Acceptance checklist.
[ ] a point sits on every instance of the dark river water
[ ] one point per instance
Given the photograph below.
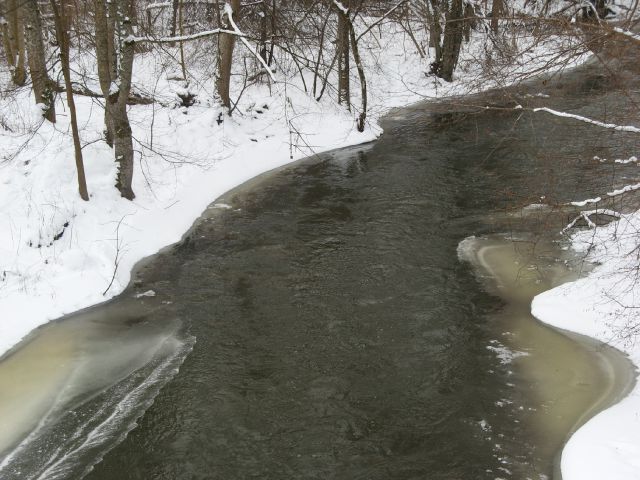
(318, 322)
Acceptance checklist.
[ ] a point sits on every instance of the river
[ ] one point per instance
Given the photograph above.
(363, 314)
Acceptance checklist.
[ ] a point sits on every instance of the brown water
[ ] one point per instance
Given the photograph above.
(324, 326)
(571, 377)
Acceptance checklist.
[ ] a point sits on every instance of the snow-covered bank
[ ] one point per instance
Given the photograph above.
(603, 305)
(59, 254)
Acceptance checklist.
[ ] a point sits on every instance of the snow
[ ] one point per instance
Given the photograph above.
(582, 203)
(624, 161)
(607, 446)
(612, 126)
(504, 354)
(625, 189)
(59, 254)
(148, 293)
(627, 33)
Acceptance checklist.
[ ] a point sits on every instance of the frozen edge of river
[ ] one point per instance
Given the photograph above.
(608, 445)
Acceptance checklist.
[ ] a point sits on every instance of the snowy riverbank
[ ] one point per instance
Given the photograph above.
(60, 254)
(607, 446)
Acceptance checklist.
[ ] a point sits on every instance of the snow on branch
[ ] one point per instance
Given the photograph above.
(627, 33)
(582, 203)
(341, 7)
(229, 12)
(586, 216)
(625, 189)
(182, 38)
(612, 126)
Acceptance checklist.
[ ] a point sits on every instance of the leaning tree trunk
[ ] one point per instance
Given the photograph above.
(342, 46)
(37, 61)
(226, 44)
(62, 34)
(452, 41)
(363, 79)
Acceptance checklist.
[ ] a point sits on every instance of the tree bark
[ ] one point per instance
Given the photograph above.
(435, 32)
(363, 79)
(104, 38)
(452, 41)
(15, 35)
(7, 45)
(342, 46)
(37, 61)
(496, 12)
(226, 44)
(469, 21)
(62, 35)
(174, 17)
(122, 135)
(115, 17)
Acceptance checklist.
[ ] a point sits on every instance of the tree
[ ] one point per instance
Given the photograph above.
(13, 39)
(113, 27)
(62, 34)
(342, 50)
(452, 42)
(226, 44)
(37, 61)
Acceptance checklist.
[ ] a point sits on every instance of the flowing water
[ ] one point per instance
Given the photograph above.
(359, 315)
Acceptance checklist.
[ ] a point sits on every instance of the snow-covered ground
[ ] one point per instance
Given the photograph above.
(59, 254)
(603, 305)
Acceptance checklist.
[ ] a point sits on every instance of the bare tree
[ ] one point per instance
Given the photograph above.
(226, 44)
(496, 12)
(13, 39)
(452, 42)
(62, 34)
(342, 49)
(37, 60)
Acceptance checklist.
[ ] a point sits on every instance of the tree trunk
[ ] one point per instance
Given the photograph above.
(263, 33)
(15, 34)
(320, 53)
(452, 41)
(496, 12)
(342, 46)
(104, 38)
(115, 17)
(7, 45)
(469, 21)
(226, 44)
(174, 17)
(37, 61)
(435, 34)
(62, 35)
(181, 44)
(122, 138)
(363, 80)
